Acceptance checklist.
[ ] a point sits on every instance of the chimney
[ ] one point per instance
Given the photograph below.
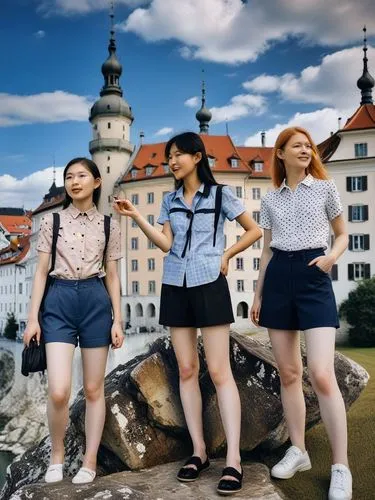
(141, 137)
(263, 139)
(339, 120)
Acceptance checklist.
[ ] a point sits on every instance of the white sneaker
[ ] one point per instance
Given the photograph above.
(83, 476)
(294, 461)
(341, 483)
(54, 473)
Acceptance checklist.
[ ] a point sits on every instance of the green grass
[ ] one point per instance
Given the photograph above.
(314, 484)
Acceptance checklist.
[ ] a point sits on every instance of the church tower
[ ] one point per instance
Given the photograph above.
(111, 118)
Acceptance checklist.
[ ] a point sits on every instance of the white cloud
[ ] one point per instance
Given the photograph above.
(164, 131)
(48, 107)
(240, 106)
(193, 102)
(319, 123)
(234, 31)
(67, 7)
(331, 83)
(40, 34)
(29, 191)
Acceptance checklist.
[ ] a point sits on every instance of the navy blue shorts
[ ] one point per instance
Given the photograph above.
(77, 311)
(297, 296)
(197, 306)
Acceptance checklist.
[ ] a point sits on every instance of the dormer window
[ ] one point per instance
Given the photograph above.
(166, 168)
(149, 171)
(258, 166)
(134, 173)
(360, 150)
(211, 162)
(234, 163)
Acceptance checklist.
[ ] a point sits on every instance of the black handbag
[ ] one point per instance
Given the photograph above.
(34, 357)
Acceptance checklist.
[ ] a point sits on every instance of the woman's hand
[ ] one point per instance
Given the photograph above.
(324, 262)
(125, 207)
(32, 330)
(117, 335)
(255, 310)
(224, 264)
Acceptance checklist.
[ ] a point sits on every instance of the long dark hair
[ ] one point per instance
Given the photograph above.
(94, 171)
(191, 143)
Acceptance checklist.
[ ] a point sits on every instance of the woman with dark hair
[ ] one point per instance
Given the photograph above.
(294, 292)
(78, 308)
(195, 292)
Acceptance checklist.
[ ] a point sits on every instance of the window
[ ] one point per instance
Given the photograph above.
(258, 166)
(20, 308)
(238, 237)
(151, 287)
(135, 287)
(359, 242)
(135, 199)
(134, 173)
(239, 264)
(255, 282)
(151, 264)
(20, 288)
(358, 183)
(134, 265)
(109, 124)
(149, 170)
(150, 219)
(211, 162)
(239, 191)
(240, 286)
(151, 245)
(109, 198)
(150, 198)
(108, 169)
(358, 213)
(134, 243)
(256, 245)
(334, 272)
(256, 263)
(360, 149)
(256, 193)
(234, 163)
(358, 271)
(134, 224)
(108, 158)
(256, 216)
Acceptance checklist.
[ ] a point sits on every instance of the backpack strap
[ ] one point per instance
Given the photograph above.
(218, 202)
(107, 230)
(55, 234)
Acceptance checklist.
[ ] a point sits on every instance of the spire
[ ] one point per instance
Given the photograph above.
(112, 68)
(366, 82)
(203, 115)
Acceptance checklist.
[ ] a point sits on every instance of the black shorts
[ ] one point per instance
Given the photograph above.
(197, 306)
(297, 296)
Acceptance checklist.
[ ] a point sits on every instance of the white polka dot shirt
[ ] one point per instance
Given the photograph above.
(300, 220)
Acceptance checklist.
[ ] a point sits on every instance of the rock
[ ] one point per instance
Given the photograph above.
(153, 380)
(157, 483)
(7, 372)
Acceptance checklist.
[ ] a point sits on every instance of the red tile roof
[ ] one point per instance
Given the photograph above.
(16, 251)
(16, 224)
(363, 118)
(52, 203)
(219, 147)
(329, 146)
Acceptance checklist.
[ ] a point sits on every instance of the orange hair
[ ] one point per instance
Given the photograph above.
(316, 167)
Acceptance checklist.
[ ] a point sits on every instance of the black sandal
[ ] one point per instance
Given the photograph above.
(187, 474)
(230, 486)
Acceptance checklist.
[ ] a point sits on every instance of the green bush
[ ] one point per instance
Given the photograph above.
(359, 311)
(11, 327)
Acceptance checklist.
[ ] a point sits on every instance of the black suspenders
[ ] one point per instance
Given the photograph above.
(190, 215)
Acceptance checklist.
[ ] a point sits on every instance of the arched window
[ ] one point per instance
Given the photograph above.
(151, 311)
(242, 310)
(127, 312)
(139, 310)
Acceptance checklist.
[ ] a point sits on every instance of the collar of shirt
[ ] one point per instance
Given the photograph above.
(74, 212)
(307, 181)
(203, 190)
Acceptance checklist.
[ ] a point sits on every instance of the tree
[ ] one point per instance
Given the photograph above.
(11, 327)
(359, 311)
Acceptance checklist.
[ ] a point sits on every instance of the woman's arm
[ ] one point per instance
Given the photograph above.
(112, 283)
(39, 284)
(325, 262)
(162, 239)
(264, 261)
(252, 233)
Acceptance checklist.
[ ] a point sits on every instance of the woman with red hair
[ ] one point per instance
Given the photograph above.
(294, 293)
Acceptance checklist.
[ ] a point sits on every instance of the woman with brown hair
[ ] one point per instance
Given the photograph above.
(294, 293)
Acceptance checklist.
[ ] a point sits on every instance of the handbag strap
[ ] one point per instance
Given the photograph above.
(55, 234)
(107, 230)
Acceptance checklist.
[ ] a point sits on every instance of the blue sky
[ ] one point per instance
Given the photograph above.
(267, 64)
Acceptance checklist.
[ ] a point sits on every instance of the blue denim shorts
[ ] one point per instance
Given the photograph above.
(77, 311)
(297, 296)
